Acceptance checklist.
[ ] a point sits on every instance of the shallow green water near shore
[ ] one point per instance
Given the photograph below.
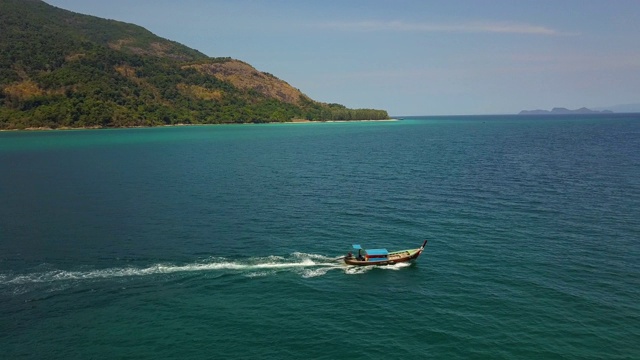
(212, 241)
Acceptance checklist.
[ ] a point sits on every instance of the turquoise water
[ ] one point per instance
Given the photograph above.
(220, 241)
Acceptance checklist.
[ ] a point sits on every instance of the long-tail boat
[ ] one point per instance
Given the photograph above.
(363, 257)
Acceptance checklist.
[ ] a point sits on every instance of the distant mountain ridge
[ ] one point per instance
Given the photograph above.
(621, 108)
(561, 110)
(63, 69)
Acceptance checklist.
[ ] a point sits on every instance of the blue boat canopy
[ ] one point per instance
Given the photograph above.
(357, 247)
(377, 252)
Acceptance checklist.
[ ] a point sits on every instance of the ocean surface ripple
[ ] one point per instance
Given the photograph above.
(225, 241)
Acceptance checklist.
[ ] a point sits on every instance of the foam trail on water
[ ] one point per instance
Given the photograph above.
(257, 267)
(306, 265)
(397, 266)
(356, 270)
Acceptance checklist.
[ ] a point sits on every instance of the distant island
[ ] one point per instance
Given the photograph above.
(561, 110)
(61, 69)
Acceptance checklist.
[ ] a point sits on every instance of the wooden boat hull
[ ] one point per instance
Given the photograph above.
(393, 258)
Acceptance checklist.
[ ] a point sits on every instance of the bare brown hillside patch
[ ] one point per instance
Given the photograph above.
(23, 90)
(126, 71)
(246, 77)
(200, 92)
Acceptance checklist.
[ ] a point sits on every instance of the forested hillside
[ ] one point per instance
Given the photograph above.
(62, 69)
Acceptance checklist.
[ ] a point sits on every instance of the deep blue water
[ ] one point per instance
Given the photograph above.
(212, 241)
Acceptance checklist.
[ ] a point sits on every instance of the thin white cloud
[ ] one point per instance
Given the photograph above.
(592, 61)
(469, 27)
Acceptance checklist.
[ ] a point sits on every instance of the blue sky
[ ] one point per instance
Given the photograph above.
(414, 57)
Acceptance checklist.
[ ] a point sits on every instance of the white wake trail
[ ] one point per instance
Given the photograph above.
(305, 265)
(253, 265)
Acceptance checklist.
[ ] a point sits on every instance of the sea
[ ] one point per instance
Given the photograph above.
(224, 241)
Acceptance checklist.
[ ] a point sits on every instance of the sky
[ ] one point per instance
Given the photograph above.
(414, 57)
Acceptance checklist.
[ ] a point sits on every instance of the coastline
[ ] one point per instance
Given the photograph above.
(294, 121)
(302, 121)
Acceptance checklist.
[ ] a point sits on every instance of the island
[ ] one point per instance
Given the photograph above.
(561, 111)
(61, 69)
